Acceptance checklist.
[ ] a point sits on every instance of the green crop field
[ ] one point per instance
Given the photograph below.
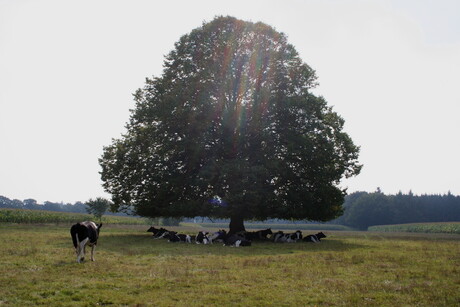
(38, 267)
(24, 216)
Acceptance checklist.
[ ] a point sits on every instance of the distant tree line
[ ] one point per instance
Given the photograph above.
(32, 204)
(97, 207)
(363, 209)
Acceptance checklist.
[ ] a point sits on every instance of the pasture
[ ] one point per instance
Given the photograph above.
(38, 267)
(446, 227)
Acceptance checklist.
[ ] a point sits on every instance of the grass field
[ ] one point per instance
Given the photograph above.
(38, 267)
(451, 227)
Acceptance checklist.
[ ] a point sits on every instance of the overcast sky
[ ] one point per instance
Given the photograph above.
(68, 69)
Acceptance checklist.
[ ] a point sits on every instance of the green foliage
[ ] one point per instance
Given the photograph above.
(232, 115)
(97, 207)
(24, 216)
(419, 227)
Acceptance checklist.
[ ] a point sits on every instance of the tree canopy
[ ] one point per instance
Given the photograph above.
(97, 207)
(231, 129)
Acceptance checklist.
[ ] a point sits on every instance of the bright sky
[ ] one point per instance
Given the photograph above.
(68, 69)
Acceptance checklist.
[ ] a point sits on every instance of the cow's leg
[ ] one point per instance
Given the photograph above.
(77, 248)
(92, 251)
(81, 250)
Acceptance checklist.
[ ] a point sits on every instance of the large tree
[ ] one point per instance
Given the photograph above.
(231, 129)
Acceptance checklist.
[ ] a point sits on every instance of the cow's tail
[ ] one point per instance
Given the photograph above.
(74, 234)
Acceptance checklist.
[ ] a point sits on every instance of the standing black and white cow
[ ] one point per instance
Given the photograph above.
(314, 238)
(84, 233)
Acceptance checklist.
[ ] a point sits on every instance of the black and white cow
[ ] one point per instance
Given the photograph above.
(202, 238)
(84, 233)
(314, 238)
(236, 240)
(218, 236)
(157, 232)
(287, 237)
(258, 235)
(153, 230)
(173, 236)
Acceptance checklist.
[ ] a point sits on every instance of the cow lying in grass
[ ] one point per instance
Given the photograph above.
(258, 235)
(157, 232)
(282, 237)
(236, 240)
(218, 236)
(202, 238)
(243, 238)
(173, 236)
(84, 233)
(228, 239)
(314, 238)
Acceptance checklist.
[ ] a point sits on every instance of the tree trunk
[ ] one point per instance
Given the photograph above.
(236, 224)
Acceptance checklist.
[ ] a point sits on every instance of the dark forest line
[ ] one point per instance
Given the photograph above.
(363, 209)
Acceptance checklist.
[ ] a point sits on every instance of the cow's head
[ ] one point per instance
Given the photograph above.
(267, 232)
(320, 235)
(298, 234)
(152, 229)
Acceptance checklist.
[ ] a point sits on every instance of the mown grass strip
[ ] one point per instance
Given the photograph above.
(453, 227)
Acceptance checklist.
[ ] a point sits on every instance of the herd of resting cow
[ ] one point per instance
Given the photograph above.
(243, 238)
(87, 233)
